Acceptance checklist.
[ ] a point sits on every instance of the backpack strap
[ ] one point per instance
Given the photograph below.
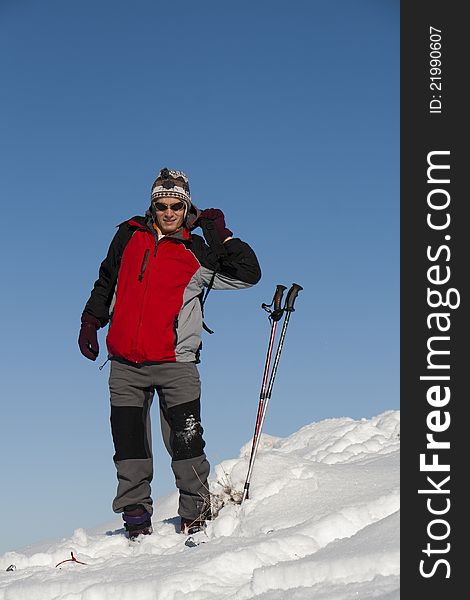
(216, 245)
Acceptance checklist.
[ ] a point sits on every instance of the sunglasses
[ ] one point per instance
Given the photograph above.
(176, 207)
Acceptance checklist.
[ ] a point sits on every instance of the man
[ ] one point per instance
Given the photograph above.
(149, 289)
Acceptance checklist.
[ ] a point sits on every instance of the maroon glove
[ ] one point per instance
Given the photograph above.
(88, 337)
(216, 215)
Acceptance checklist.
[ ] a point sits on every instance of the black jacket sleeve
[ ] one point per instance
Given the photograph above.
(238, 261)
(102, 293)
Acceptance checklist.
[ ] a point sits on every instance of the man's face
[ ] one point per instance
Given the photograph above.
(169, 220)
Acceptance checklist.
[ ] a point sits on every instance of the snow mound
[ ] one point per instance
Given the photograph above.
(322, 522)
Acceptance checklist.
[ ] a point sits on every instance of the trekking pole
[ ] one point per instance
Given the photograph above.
(274, 316)
(288, 309)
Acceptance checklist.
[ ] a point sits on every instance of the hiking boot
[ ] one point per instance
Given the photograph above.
(191, 526)
(137, 521)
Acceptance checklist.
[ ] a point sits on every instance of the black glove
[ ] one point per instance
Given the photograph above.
(216, 215)
(88, 337)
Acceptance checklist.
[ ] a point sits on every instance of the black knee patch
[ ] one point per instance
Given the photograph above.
(186, 430)
(129, 432)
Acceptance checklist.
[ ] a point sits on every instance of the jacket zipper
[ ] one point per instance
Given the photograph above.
(142, 270)
(143, 266)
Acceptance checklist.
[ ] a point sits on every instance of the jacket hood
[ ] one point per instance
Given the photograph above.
(192, 216)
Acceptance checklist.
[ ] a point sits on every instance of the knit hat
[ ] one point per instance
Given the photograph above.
(171, 183)
(175, 184)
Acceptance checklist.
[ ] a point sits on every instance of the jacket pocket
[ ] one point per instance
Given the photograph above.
(175, 331)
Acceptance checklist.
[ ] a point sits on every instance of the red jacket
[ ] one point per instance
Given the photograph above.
(150, 291)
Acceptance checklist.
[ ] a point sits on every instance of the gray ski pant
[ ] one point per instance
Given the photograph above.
(132, 388)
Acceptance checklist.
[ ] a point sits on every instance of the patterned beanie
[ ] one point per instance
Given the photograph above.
(171, 183)
(175, 184)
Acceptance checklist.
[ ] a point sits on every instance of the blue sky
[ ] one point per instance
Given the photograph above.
(285, 116)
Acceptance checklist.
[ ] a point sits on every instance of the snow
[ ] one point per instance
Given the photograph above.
(322, 522)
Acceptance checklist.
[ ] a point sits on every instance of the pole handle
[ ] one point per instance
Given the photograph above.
(291, 296)
(276, 312)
